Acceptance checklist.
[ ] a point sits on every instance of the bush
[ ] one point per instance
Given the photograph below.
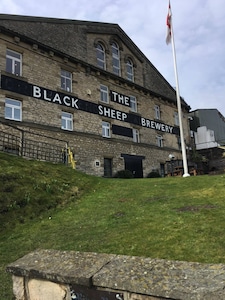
(153, 174)
(124, 174)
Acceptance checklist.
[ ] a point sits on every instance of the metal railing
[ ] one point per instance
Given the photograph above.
(34, 146)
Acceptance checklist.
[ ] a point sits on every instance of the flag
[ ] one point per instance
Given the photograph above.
(169, 24)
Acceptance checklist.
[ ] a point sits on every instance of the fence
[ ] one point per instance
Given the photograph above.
(33, 145)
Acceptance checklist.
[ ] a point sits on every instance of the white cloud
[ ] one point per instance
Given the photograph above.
(10, 6)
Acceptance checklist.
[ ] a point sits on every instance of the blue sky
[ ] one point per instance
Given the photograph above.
(199, 34)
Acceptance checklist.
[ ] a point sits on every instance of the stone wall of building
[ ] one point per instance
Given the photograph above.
(125, 52)
(61, 275)
(41, 68)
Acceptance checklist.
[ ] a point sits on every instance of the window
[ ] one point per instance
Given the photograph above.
(136, 136)
(116, 59)
(13, 109)
(104, 93)
(133, 104)
(101, 56)
(157, 112)
(176, 119)
(13, 62)
(159, 141)
(67, 121)
(66, 81)
(106, 129)
(130, 70)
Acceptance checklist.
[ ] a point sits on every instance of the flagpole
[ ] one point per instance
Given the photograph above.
(183, 146)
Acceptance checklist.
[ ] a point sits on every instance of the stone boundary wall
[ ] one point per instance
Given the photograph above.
(62, 275)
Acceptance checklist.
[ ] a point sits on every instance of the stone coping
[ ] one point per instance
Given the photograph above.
(140, 275)
(60, 266)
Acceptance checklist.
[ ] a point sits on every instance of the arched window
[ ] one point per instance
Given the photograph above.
(130, 70)
(116, 59)
(100, 56)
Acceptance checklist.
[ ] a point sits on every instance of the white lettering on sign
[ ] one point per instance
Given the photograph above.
(36, 92)
(111, 113)
(55, 97)
(119, 98)
(156, 125)
(24, 88)
(45, 96)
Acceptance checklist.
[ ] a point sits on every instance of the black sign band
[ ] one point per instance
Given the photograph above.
(24, 88)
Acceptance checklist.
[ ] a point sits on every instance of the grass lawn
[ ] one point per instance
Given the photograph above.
(54, 207)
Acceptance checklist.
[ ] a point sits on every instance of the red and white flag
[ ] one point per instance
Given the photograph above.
(169, 25)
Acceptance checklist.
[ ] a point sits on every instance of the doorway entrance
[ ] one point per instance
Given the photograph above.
(107, 167)
(134, 164)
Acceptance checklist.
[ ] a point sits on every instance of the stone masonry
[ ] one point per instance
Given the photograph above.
(50, 274)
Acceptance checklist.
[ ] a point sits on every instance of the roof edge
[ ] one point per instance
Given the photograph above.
(27, 18)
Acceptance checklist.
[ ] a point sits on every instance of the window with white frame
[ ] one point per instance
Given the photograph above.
(116, 59)
(104, 94)
(136, 135)
(66, 81)
(13, 62)
(13, 109)
(157, 112)
(159, 141)
(176, 118)
(66, 121)
(100, 56)
(130, 70)
(133, 104)
(106, 129)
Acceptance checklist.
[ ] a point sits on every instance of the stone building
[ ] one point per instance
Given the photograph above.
(213, 120)
(88, 85)
(208, 129)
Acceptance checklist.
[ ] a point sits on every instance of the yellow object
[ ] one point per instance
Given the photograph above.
(71, 160)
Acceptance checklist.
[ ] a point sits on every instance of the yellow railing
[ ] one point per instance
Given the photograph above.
(71, 159)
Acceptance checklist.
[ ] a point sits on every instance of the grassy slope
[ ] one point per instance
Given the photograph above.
(52, 206)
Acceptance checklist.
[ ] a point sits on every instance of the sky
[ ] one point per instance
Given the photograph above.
(199, 36)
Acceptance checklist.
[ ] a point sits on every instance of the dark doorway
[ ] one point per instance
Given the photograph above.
(162, 170)
(133, 163)
(107, 167)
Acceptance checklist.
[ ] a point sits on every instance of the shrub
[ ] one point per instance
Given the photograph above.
(124, 174)
(153, 174)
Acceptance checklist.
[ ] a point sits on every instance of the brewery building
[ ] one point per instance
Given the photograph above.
(85, 86)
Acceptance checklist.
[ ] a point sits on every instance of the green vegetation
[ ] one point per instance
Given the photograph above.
(49, 206)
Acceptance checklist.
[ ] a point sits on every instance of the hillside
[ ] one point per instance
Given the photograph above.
(51, 206)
